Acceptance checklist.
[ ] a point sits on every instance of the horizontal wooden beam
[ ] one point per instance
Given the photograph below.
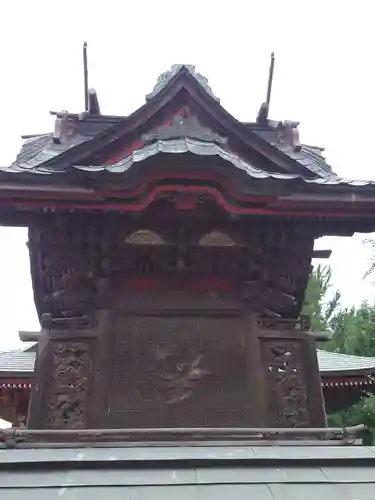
(321, 254)
(29, 336)
(31, 438)
(321, 336)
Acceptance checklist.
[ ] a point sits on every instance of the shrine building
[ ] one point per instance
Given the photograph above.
(170, 252)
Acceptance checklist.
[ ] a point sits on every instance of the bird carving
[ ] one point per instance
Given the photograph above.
(182, 382)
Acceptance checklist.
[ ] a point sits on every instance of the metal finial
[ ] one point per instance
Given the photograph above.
(85, 76)
(270, 80)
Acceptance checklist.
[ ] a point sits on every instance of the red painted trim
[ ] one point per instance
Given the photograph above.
(287, 208)
(148, 179)
(347, 378)
(155, 193)
(187, 177)
(123, 152)
(21, 385)
(202, 284)
(11, 380)
(339, 204)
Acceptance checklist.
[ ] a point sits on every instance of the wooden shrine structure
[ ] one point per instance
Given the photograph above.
(170, 251)
(345, 379)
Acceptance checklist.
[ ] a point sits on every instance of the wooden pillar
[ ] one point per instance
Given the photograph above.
(63, 376)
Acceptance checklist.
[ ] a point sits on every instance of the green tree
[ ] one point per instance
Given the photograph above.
(317, 304)
(371, 244)
(353, 332)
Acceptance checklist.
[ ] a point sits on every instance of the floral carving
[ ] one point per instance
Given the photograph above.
(144, 237)
(184, 126)
(286, 384)
(216, 239)
(71, 370)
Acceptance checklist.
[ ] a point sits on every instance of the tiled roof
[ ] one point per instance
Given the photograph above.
(34, 162)
(84, 134)
(39, 149)
(194, 146)
(329, 362)
(308, 156)
(337, 362)
(17, 361)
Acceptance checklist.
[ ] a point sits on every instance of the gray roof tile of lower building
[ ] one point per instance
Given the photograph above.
(17, 361)
(338, 362)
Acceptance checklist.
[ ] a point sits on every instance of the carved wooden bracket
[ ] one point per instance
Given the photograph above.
(186, 125)
(68, 401)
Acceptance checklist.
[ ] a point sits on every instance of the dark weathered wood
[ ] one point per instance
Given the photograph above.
(27, 438)
(77, 264)
(150, 311)
(169, 286)
(62, 400)
(322, 254)
(177, 283)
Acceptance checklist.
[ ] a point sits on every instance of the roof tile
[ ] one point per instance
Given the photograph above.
(336, 362)
(17, 361)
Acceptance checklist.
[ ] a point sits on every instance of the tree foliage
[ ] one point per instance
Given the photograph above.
(317, 305)
(352, 329)
(353, 332)
(371, 268)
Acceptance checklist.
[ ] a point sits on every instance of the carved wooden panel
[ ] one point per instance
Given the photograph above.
(179, 371)
(286, 382)
(67, 400)
(78, 263)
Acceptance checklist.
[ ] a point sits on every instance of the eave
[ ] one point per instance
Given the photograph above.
(346, 381)
(326, 222)
(11, 383)
(134, 183)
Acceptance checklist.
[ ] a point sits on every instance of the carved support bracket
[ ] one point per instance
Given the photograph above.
(67, 402)
(61, 394)
(293, 391)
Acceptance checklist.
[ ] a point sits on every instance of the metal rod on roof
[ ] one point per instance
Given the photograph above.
(85, 76)
(270, 80)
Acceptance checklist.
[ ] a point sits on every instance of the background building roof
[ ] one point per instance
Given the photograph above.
(17, 361)
(334, 362)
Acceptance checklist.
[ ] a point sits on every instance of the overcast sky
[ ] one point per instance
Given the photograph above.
(324, 78)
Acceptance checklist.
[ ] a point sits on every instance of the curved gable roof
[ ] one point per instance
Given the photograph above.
(91, 135)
